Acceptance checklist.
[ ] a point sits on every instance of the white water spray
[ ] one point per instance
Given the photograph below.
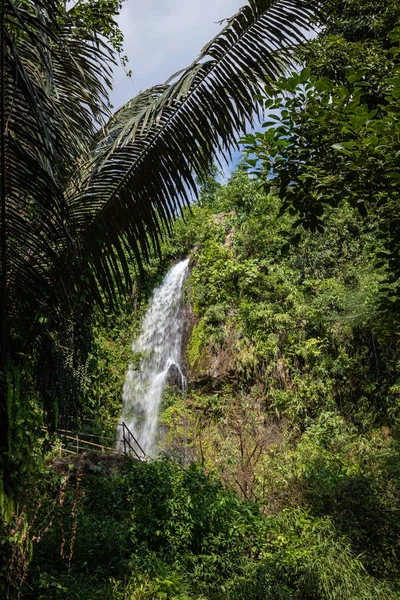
(159, 343)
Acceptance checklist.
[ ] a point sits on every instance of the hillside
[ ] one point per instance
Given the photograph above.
(281, 472)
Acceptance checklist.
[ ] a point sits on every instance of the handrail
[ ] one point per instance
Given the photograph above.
(124, 426)
(126, 441)
(81, 443)
(93, 435)
(77, 439)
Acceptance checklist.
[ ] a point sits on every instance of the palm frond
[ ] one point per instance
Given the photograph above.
(144, 168)
(54, 88)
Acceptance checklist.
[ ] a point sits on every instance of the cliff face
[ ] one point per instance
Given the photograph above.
(210, 361)
(215, 361)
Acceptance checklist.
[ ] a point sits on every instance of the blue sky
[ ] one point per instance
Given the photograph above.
(163, 36)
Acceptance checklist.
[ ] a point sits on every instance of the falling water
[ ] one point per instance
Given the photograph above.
(159, 345)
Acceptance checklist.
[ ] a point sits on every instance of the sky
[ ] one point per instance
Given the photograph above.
(164, 36)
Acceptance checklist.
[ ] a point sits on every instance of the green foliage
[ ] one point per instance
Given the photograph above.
(108, 361)
(293, 398)
(197, 343)
(83, 199)
(359, 20)
(336, 136)
(307, 314)
(159, 530)
(99, 16)
(294, 390)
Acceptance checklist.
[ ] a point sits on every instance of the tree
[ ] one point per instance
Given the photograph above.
(81, 197)
(338, 138)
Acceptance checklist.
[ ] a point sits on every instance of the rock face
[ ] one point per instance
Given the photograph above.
(190, 320)
(213, 362)
(220, 358)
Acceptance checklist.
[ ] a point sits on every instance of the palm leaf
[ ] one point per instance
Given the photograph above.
(145, 166)
(54, 90)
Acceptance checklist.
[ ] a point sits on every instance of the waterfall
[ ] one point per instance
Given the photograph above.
(159, 344)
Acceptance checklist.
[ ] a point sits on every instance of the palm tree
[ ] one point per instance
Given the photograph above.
(54, 83)
(81, 196)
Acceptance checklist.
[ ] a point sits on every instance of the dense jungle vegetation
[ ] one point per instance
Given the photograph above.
(280, 471)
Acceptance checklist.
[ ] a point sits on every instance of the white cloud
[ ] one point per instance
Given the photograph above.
(164, 36)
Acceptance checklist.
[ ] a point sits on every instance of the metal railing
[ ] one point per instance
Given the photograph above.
(130, 443)
(74, 442)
